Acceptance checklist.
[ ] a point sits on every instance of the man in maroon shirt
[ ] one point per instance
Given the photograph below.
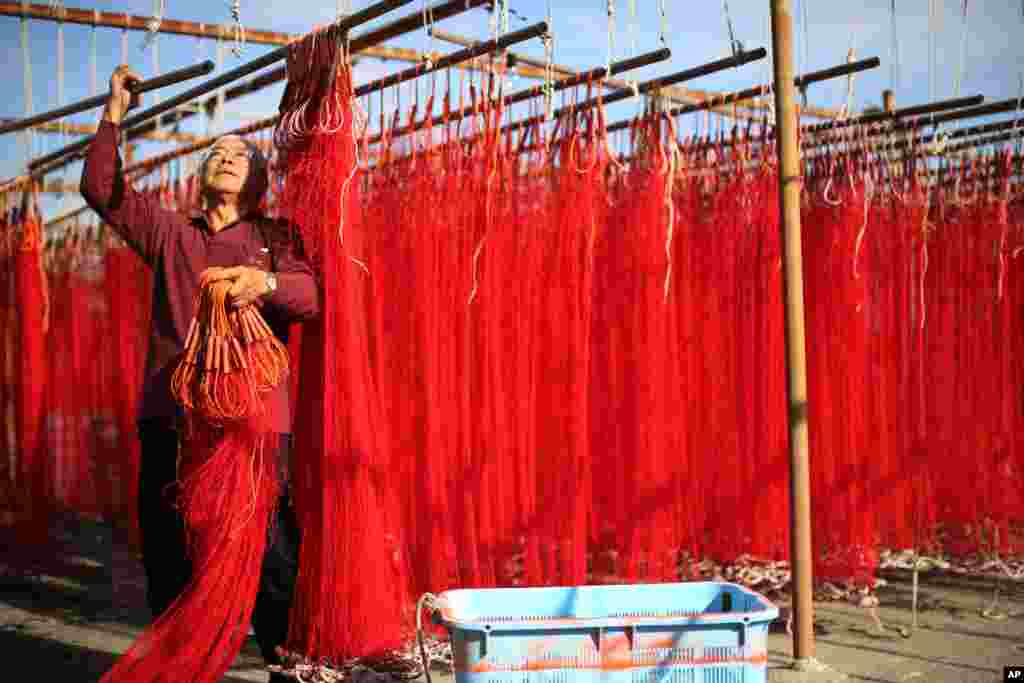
(232, 241)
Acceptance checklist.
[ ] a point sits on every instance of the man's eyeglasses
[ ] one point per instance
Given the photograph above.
(223, 155)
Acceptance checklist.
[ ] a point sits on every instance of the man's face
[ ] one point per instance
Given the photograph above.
(227, 167)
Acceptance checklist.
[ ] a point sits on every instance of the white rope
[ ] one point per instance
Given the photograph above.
(124, 41)
(805, 46)
(931, 50)
(663, 26)
(156, 72)
(894, 49)
(549, 72)
(153, 25)
(611, 35)
(93, 80)
(428, 601)
(200, 44)
(632, 28)
(58, 8)
(848, 107)
(768, 68)
(238, 29)
(734, 44)
(219, 117)
(963, 53)
(26, 56)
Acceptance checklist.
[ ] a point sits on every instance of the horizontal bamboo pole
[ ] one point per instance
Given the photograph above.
(674, 93)
(68, 128)
(97, 101)
(524, 66)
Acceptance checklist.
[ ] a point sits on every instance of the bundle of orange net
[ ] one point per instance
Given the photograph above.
(231, 358)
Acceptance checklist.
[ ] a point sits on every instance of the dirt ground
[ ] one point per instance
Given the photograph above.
(66, 615)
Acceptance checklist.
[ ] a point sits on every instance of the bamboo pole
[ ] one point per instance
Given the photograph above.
(651, 86)
(796, 375)
(162, 81)
(596, 74)
(761, 90)
(524, 66)
(454, 58)
(674, 93)
(86, 129)
(388, 31)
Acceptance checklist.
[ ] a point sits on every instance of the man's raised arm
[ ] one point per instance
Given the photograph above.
(138, 219)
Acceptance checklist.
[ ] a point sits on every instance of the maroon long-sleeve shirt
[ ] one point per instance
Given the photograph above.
(178, 248)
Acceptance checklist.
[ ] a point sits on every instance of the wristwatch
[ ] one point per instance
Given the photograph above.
(271, 283)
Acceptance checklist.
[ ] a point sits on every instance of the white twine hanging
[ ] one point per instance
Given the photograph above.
(611, 35)
(663, 25)
(963, 55)
(93, 70)
(58, 9)
(670, 176)
(734, 44)
(894, 49)
(549, 71)
(124, 41)
(219, 116)
(28, 135)
(153, 25)
(237, 29)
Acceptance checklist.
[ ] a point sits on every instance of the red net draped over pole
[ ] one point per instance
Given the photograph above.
(351, 598)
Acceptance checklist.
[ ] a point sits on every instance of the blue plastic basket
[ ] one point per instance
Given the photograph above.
(673, 633)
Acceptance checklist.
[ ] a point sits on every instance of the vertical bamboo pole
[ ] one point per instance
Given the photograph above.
(888, 101)
(796, 373)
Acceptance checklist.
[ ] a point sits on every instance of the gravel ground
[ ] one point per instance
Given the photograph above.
(67, 613)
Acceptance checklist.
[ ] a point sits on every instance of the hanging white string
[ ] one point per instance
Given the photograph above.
(848, 107)
(549, 71)
(931, 50)
(504, 31)
(153, 25)
(219, 116)
(58, 9)
(237, 28)
(611, 35)
(632, 28)
(200, 45)
(28, 136)
(734, 44)
(767, 66)
(124, 41)
(156, 72)
(663, 26)
(805, 46)
(894, 49)
(963, 52)
(93, 69)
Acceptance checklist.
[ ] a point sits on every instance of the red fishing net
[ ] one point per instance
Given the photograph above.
(229, 487)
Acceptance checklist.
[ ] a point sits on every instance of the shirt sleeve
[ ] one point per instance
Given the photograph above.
(139, 219)
(297, 296)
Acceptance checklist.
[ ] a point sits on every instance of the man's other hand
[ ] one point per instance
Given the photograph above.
(247, 284)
